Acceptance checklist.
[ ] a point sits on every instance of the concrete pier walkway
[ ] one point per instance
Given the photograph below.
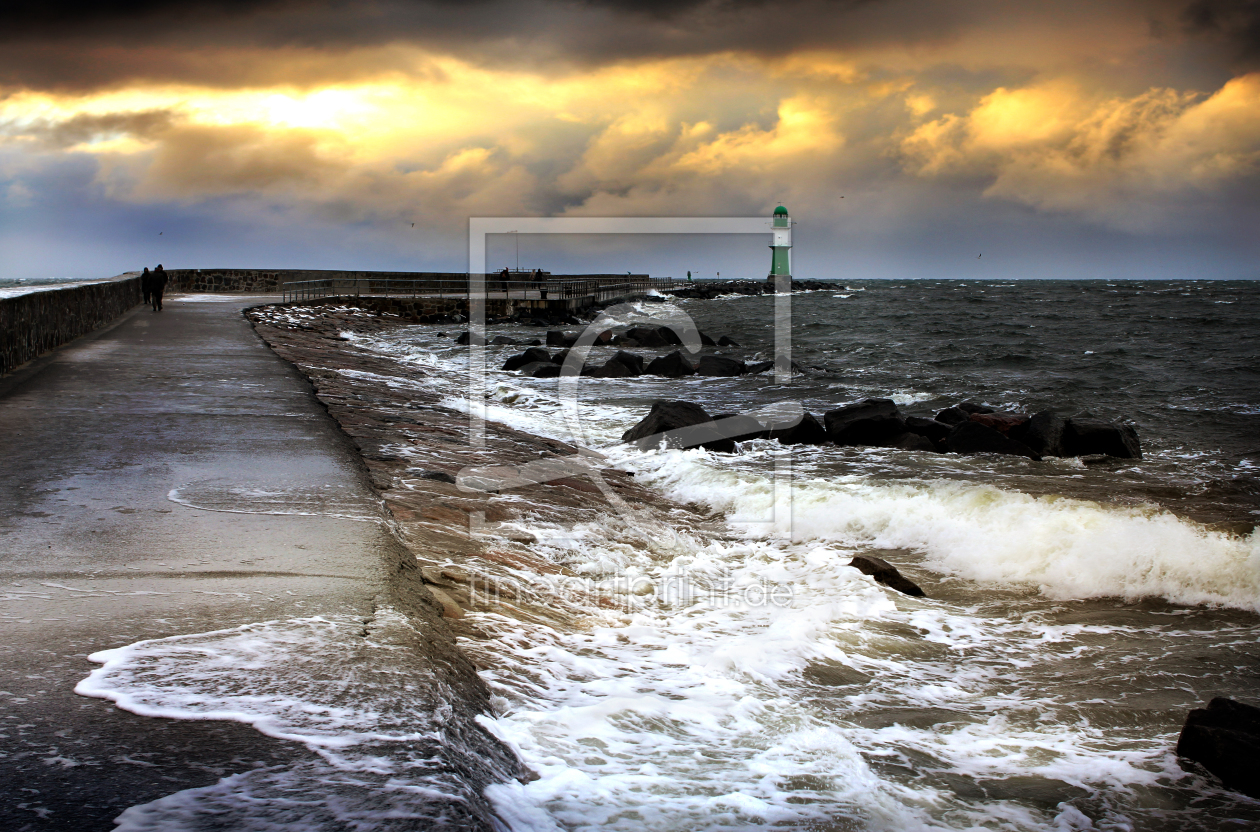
(168, 475)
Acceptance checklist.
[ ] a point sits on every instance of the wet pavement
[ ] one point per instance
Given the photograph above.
(167, 475)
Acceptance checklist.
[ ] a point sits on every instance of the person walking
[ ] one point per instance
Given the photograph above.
(159, 286)
(146, 286)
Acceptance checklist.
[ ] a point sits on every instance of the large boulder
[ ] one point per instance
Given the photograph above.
(931, 428)
(646, 336)
(739, 427)
(466, 338)
(557, 338)
(805, 431)
(674, 365)
(612, 368)
(975, 438)
(503, 341)
(972, 407)
(719, 365)
(1084, 435)
(1043, 433)
(726, 341)
(912, 442)
(632, 361)
(1224, 738)
(886, 574)
(530, 356)
(759, 367)
(953, 416)
(678, 425)
(869, 422)
(541, 369)
(1000, 422)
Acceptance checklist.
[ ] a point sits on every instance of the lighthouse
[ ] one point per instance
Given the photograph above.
(781, 245)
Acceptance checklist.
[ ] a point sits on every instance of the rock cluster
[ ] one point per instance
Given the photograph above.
(966, 428)
(710, 289)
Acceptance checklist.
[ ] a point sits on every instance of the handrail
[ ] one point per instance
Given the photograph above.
(546, 288)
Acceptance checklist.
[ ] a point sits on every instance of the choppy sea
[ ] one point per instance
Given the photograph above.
(1073, 614)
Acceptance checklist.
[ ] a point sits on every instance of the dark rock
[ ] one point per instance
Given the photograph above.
(805, 431)
(975, 438)
(503, 341)
(534, 343)
(972, 407)
(541, 369)
(760, 367)
(912, 442)
(670, 336)
(1000, 422)
(604, 338)
(674, 365)
(1224, 738)
(1084, 435)
(560, 356)
(740, 427)
(725, 341)
(612, 369)
(953, 416)
(707, 340)
(528, 357)
(632, 361)
(869, 422)
(1043, 433)
(719, 365)
(644, 336)
(931, 428)
(437, 476)
(886, 574)
(466, 338)
(678, 425)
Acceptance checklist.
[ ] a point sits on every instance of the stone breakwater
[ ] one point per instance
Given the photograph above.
(31, 324)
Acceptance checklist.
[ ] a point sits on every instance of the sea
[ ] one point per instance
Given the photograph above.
(1075, 609)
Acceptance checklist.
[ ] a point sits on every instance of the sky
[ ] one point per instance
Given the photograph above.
(909, 138)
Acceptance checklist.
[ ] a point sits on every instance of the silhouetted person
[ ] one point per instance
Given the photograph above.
(505, 278)
(146, 286)
(159, 286)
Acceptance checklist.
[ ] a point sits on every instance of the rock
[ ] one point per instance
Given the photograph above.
(437, 476)
(644, 336)
(466, 338)
(503, 341)
(869, 422)
(1000, 422)
(1083, 435)
(671, 337)
(912, 442)
(975, 438)
(678, 425)
(541, 369)
(886, 574)
(805, 431)
(1043, 433)
(740, 427)
(559, 357)
(972, 407)
(1224, 738)
(931, 428)
(632, 361)
(557, 338)
(719, 365)
(953, 416)
(612, 369)
(530, 356)
(759, 367)
(725, 341)
(707, 340)
(674, 365)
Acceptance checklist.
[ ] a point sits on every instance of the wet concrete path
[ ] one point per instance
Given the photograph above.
(168, 475)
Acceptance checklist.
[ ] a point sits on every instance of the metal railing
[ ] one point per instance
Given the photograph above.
(496, 288)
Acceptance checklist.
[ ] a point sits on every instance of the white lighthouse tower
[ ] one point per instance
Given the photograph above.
(781, 248)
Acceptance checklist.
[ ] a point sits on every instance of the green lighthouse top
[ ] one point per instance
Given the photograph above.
(780, 211)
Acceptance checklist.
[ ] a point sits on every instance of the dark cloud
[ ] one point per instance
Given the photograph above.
(1236, 22)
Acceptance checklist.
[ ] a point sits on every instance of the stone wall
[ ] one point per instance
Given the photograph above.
(36, 322)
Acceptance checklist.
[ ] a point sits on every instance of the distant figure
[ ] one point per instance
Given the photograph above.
(159, 286)
(503, 276)
(146, 286)
(689, 275)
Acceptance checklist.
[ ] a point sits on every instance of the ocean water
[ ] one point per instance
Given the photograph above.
(748, 678)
